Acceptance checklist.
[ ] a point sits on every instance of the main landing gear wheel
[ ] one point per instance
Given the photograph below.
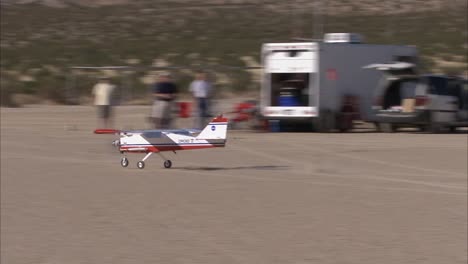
(167, 164)
(141, 164)
(124, 162)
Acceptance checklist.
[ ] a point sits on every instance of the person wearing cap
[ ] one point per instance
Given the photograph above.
(103, 92)
(164, 94)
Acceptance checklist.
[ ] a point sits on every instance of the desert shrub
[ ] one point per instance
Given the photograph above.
(29, 87)
(38, 35)
(6, 93)
(52, 88)
(453, 71)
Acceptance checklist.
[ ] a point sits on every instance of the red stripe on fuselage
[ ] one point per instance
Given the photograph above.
(165, 148)
(187, 147)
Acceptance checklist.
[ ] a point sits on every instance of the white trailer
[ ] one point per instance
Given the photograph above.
(324, 83)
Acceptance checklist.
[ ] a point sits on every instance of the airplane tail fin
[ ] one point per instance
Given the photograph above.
(216, 129)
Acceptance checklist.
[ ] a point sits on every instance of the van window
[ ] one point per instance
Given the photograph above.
(438, 85)
(408, 89)
(152, 134)
(454, 88)
(410, 59)
(464, 98)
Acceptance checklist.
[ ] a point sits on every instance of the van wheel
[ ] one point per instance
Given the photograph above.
(432, 128)
(376, 126)
(387, 127)
(345, 122)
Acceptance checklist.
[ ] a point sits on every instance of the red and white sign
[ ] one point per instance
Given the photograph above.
(332, 74)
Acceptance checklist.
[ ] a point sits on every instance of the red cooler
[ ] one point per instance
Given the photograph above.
(184, 109)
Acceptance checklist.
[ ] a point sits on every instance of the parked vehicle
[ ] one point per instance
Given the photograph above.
(405, 98)
(324, 83)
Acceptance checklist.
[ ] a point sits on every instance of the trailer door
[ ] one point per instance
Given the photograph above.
(290, 81)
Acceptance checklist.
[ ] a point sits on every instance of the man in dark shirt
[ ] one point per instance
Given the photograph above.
(164, 93)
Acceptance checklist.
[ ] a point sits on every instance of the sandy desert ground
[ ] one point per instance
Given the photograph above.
(266, 198)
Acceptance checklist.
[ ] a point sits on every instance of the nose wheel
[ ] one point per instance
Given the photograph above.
(167, 164)
(124, 162)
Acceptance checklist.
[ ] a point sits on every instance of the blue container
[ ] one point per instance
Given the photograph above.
(274, 125)
(288, 100)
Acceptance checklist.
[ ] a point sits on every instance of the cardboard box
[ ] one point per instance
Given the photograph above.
(408, 105)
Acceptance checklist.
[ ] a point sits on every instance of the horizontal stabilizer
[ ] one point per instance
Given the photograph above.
(106, 131)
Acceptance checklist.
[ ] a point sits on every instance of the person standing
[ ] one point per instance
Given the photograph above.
(201, 91)
(103, 92)
(164, 93)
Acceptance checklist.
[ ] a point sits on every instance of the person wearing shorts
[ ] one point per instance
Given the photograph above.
(102, 92)
(164, 93)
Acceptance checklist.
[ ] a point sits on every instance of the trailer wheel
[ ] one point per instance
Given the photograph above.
(325, 123)
(345, 122)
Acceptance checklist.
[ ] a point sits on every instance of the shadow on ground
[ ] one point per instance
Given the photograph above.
(265, 167)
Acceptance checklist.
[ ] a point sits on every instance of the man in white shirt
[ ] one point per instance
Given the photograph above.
(102, 92)
(201, 91)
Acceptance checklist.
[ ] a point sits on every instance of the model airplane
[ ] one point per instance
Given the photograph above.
(157, 141)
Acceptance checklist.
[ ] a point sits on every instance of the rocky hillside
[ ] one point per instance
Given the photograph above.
(41, 39)
(332, 6)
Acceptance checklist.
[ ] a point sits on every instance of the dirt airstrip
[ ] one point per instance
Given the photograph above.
(267, 198)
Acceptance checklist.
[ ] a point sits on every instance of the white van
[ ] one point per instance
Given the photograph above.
(405, 98)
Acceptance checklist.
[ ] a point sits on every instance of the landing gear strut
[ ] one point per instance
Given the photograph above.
(141, 164)
(167, 163)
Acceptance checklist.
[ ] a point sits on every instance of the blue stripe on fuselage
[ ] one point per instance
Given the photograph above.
(172, 144)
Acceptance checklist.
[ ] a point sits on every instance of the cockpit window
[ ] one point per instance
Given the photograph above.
(152, 134)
